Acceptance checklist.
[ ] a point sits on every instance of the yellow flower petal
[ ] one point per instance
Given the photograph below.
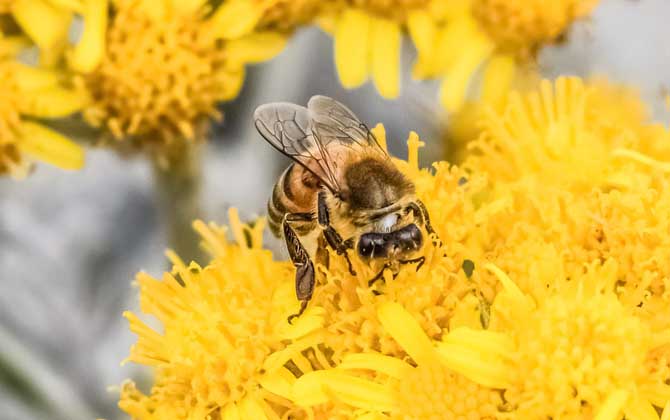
(488, 371)
(657, 394)
(423, 31)
(482, 341)
(316, 387)
(407, 332)
(454, 88)
(666, 412)
(509, 285)
(231, 83)
(352, 48)
(234, 18)
(12, 45)
(255, 48)
(498, 78)
(251, 409)
(231, 412)
(54, 102)
(44, 23)
(388, 365)
(30, 78)
(640, 409)
(76, 6)
(279, 382)
(90, 49)
(611, 408)
(386, 46)
(380, 134)
(50, 147)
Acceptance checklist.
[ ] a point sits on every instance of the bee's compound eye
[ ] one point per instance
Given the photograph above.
(416, 236)
(365, 246)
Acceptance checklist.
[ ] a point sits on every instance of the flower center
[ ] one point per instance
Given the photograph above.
(158, 79)
(573, 353)
(434, 392)
(522, 26)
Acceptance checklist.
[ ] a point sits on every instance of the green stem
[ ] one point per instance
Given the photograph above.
(178, 184)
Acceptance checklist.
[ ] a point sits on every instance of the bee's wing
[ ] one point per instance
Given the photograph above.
(335, 122)
(312, 135)
(290, 128)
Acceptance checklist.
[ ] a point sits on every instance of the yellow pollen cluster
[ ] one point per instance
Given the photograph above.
(573, 352)
(435, 393)
(159, 78)
(523, 26)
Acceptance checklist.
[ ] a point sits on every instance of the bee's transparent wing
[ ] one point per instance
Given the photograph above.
(291, 129)
(315, 135)
(335, 122)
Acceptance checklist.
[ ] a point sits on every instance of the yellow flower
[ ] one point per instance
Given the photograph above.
(570, 177)
(163, 70)
(424, 387)
(455, 39)
(27, 94)
(521, 27)
(558, 134)
(576, 350)
(224, 337)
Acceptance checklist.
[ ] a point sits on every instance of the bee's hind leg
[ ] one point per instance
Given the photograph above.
(304, 268)
(333, 238)
(421, 211)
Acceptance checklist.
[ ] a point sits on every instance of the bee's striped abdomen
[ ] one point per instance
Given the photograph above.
(294, 192)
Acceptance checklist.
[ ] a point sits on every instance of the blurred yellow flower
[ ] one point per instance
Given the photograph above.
(157, 71)
(458, 38)
(368, 38)
(28, 94)
(225, 337)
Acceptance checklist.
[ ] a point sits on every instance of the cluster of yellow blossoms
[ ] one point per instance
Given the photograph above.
(547, 298)
(453, 39)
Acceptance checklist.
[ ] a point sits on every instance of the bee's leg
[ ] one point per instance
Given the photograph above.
(332, 237)
(419, 260)
(421, 211)
(304, 268)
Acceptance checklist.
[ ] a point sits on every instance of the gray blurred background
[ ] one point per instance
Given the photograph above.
(71, 243)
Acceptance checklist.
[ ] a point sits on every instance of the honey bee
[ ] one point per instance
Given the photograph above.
(342, 191)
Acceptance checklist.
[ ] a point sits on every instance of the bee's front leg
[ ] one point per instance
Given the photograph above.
(421, 211)
(304, 268)
(333, 238)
